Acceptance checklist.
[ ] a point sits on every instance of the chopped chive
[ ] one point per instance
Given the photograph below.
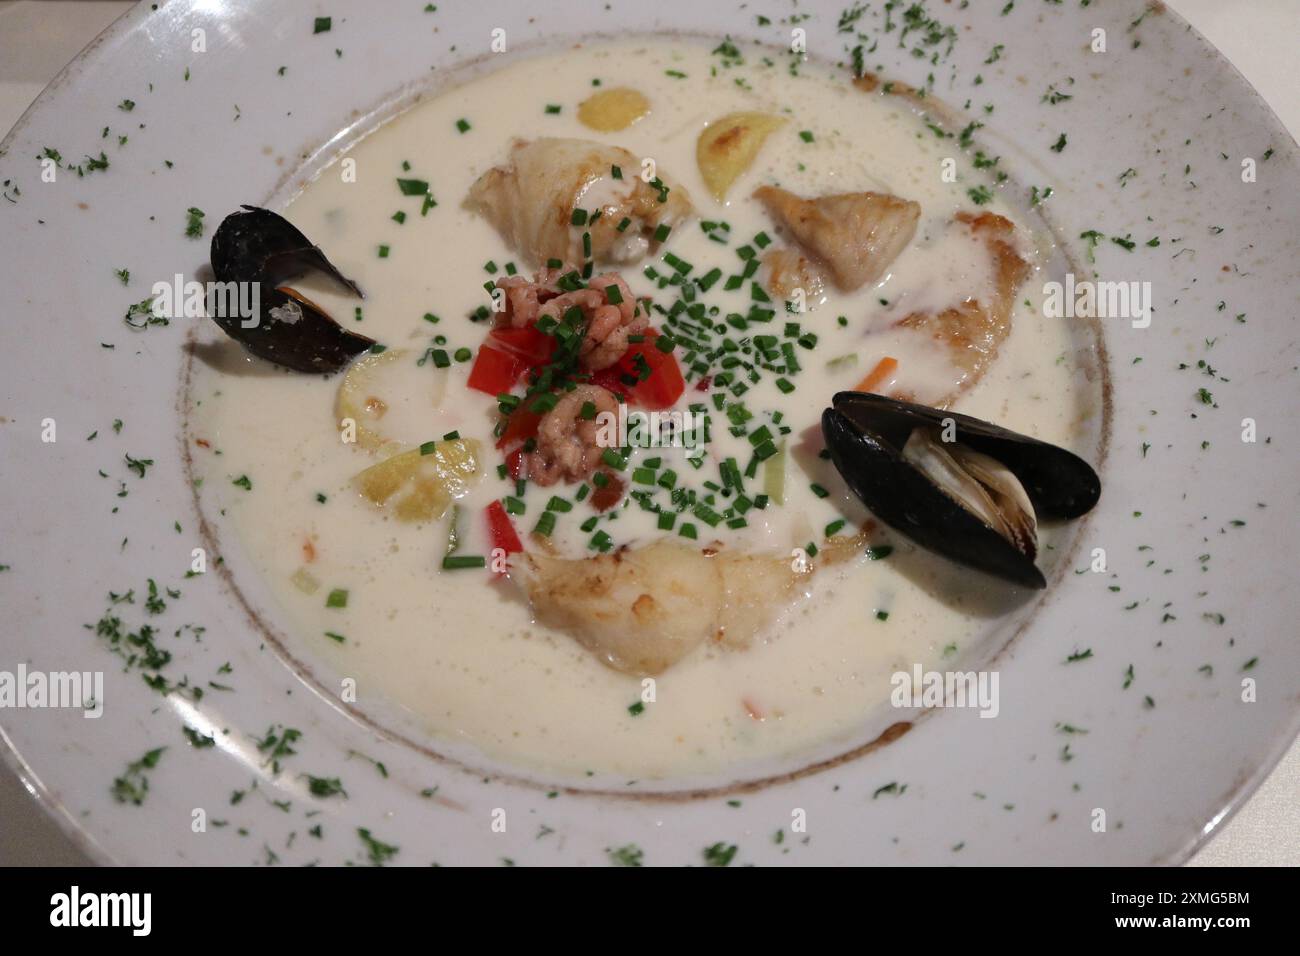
(461, 562)
(413, 187)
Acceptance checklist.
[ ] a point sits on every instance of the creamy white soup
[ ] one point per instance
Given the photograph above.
(802, 648)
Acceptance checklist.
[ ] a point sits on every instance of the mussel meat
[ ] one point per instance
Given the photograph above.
(961, 487)
(259, 246)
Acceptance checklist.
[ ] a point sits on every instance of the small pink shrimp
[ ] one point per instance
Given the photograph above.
(524, 297)
(588, 300)
(567, 447)
(610, 324)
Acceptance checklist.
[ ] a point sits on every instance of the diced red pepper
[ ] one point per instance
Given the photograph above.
(506, 355)
(495, 371)
(660, 389)
(664, 385)
(520, 426)
(528, 344)
(609, 494)
(502, 529)
(515, 463)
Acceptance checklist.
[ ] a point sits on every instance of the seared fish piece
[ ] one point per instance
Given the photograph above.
(972, 330)
(854, 236)
(641, 610)
(786, 270)
(531, 200)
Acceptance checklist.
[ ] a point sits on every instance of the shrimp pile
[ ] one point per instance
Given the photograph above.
(606, 314)
(610, 313)
(567, 448)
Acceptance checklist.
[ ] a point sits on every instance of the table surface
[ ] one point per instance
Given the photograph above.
(1258, 36)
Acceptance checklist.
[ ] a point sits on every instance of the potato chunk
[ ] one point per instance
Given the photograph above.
(359, 396)
(728, 147)
(612, 110)
(418, 486)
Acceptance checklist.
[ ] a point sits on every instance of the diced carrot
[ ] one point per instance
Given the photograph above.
(884, 368)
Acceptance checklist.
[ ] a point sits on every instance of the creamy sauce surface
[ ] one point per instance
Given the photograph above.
(458, 650)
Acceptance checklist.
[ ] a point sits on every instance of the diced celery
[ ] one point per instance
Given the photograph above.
(774, 476)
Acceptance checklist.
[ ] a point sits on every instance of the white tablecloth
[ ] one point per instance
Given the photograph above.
(1259, 36)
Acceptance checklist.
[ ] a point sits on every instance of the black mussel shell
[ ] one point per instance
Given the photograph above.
(865, 435)
(1059, 483)
(257, 245)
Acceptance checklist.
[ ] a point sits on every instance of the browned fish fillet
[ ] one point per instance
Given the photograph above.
(973, 330)
(854, 236)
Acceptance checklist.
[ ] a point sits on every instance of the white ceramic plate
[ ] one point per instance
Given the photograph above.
(1188, 694)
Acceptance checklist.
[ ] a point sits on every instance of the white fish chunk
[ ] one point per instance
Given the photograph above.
(641, 610)
(531, 199)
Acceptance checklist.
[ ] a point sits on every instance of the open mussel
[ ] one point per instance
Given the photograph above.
(961, 487)
(258, 246)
